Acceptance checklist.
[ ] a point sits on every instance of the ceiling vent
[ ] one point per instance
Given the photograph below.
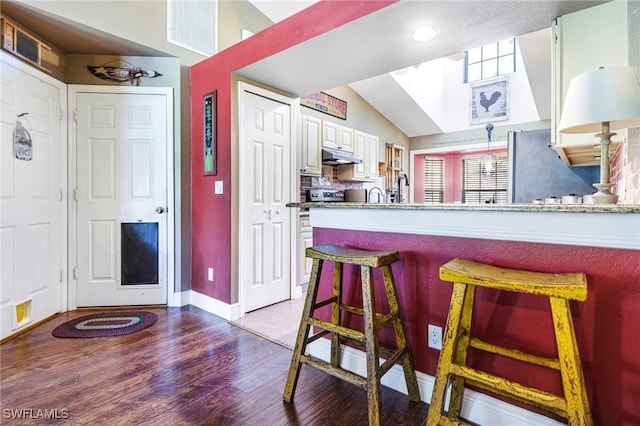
(25, 46)
(193, 25)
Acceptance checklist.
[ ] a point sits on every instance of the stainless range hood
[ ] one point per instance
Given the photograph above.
(333, 157)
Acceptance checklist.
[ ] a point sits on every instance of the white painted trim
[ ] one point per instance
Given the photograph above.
(613, 230)
(180, 299)
(478, 408)
(73, 90)
(214, 306)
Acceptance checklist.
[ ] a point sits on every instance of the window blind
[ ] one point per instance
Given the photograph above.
(479, 187)
(433, 180)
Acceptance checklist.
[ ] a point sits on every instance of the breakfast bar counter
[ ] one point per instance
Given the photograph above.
(616, 225)
(603, 241)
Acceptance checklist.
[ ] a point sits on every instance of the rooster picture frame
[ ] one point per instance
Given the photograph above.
(490, 101)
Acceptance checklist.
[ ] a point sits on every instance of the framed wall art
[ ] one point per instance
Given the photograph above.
(209, 142)
(490, 101)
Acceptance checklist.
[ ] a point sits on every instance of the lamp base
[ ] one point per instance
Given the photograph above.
(604, 195)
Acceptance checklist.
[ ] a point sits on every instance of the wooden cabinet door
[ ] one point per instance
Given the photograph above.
(311, 153)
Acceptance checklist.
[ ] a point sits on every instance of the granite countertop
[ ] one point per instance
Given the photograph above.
(572, 208)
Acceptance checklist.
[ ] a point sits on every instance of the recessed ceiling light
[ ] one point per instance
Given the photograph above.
(424, 33)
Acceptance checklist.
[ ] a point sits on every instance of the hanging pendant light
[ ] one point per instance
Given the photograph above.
(488, 160)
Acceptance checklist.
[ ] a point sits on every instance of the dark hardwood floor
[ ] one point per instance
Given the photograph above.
(189, 368)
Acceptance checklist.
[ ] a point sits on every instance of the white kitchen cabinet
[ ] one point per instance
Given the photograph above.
(359, 150)
(329, 135)
(371, 157)
(311, 149)
(345, 139)
(337, 137)
(584, 41)
(365, 147)
(305, 240)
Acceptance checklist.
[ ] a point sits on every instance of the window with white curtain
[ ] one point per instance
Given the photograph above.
(478, 186)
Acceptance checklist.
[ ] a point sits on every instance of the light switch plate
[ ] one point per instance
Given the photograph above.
(218, 187)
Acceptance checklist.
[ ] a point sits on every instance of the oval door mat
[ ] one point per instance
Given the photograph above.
(106, 324)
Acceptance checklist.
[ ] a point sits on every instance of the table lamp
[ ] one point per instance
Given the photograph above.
(602, 100)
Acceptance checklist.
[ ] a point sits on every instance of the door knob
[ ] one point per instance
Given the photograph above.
(160, 210)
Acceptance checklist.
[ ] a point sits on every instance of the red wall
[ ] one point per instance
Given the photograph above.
(607, 325)
(211, 214)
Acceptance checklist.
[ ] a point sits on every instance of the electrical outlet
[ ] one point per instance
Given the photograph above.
(435, 337)
(210, 274)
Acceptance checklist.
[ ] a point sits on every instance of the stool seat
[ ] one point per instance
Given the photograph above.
(572, 286)
(452, 368)
(373, 321)
(355, 256)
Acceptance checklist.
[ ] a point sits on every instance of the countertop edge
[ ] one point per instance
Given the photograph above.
(554, 208)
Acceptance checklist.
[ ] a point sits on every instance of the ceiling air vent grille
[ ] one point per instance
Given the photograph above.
(193, 25)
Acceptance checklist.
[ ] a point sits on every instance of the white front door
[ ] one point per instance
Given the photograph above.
(121, 159)
(265, 225)
(32, 205)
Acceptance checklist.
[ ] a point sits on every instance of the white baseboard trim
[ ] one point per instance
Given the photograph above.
(179, 299)
(477, 407)
(214, 306)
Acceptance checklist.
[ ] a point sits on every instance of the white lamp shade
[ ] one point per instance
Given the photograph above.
(604, 95)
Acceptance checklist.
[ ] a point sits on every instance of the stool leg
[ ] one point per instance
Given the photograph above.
(374, 393)
(460, 355)
(303, 331)
(336, 318)
(575, 392)
(400, 332)
(444, 363)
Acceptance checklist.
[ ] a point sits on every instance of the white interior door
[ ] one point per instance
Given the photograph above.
(32, 208)
(265, 147)
(121, 146)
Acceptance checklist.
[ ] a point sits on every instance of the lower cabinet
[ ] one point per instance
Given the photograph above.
(305, 239)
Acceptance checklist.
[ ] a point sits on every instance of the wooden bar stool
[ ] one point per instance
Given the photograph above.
(560, 288)
(373, 322)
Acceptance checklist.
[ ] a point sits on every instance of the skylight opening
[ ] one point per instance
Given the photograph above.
(490, 60)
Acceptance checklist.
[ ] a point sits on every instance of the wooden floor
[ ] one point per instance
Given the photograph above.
(189, 368)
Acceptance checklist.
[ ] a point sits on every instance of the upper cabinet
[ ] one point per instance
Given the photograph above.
(345, 139)
(311, 151)
(366, 147)
(335, 136)
(318, 134)
(371, 157)
(584, 41)
(329, 135)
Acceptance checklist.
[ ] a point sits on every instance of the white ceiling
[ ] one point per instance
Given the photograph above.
(362, 52)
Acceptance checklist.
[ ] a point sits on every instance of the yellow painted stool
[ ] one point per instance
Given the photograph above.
(373, 322)
(560, 288)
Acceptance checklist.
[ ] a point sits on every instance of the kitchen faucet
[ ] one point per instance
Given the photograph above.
(404, 176)
(380, 194)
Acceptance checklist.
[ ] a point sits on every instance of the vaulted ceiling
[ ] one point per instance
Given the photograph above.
(363, 52)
